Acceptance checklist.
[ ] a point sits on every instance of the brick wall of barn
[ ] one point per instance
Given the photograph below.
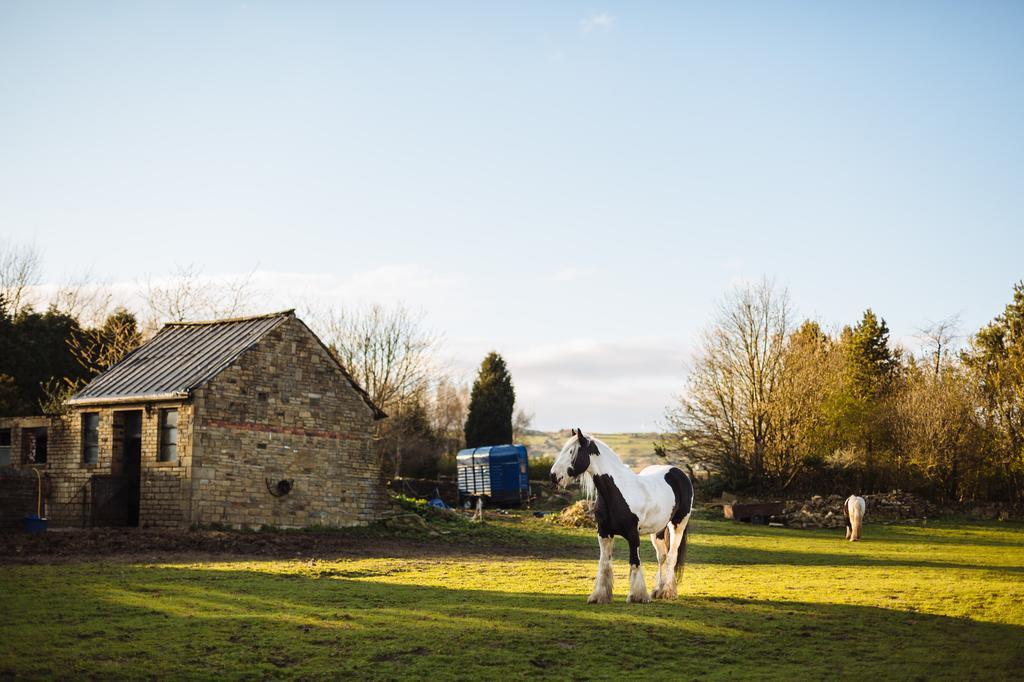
(283, 411)
(60, 506)
(164, 489)
(19, 490)
(68, 504)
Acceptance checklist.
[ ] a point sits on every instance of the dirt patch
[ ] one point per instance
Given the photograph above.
(88, 543)
(149, 545)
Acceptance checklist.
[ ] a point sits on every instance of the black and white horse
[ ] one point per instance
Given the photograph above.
(657, 501)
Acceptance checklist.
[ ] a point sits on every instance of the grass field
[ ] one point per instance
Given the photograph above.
(943, 601)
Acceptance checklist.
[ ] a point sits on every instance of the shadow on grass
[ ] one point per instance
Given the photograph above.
(133, 622)
(958, 532)
(559, 543)
(739, 554)
(713, 542)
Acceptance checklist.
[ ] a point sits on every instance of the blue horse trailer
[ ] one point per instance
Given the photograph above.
(498, 473)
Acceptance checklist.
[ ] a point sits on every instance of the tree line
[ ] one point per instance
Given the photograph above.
(47, 355)
(773, 405)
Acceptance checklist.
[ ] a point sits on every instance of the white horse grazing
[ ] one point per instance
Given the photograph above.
(658, 501)
(854, 510)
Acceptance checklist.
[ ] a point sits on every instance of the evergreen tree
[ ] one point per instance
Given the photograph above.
(872, 363)
(34, 353)
(491, 404)
(860, 408)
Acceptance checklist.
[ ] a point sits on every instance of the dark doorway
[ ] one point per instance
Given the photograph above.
(132, 463)
(116, 497)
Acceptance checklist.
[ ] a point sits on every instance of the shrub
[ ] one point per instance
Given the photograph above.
(540, 468)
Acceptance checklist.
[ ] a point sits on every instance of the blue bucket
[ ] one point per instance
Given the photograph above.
(34, 524)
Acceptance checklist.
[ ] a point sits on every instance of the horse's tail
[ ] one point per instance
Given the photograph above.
(681, 553)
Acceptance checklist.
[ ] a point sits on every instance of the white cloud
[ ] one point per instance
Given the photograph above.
(411, 285)
(595, 23)
(415, 286)
(603, 385)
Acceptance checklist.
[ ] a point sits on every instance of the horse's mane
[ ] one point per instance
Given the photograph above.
(606, 451)
(587, 487)
(586, 479)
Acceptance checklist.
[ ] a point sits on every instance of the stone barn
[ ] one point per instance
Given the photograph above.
(246, 422)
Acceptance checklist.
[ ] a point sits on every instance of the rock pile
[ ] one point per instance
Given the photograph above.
(577, 515)
(827, 512)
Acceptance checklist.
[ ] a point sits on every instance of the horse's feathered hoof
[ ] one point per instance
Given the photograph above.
(639, 598)
(599, 599)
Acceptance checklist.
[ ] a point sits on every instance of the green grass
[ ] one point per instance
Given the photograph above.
(943, 601)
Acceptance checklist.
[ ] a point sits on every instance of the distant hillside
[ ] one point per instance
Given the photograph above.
(635, 449)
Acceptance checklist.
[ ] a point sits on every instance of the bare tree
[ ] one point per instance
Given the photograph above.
(448, 413)
(84, 298)
(189, 295)
(939, 429)
(20, 270)
(725, 419)
(811, 370)
(521, 420)
(937, 339)
(388, 350)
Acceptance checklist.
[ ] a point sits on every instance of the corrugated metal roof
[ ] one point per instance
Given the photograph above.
(181, 357)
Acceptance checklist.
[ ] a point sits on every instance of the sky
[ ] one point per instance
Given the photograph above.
(572, 184)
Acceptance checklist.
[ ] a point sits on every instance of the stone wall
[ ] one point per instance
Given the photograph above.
(18, 492)
(56, 505)
(164, 495)
(165, 490)
(284, 411)
(18, 488)
(68, 504)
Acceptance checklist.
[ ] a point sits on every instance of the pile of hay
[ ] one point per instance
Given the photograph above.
(577, 515)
